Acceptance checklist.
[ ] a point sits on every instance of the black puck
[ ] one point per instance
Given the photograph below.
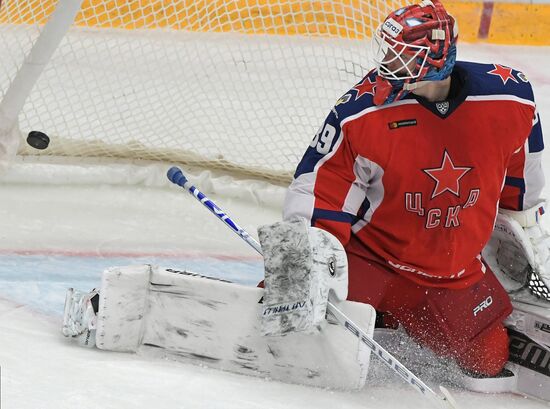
(38, 140)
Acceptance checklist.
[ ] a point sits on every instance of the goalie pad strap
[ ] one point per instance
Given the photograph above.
(526, 218)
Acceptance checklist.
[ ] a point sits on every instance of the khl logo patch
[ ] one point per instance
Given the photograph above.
(442, 107)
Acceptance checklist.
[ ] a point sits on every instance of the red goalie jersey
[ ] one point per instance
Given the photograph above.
(420, 183)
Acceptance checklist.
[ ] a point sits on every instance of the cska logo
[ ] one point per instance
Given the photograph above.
(447, 180)
(447, 176)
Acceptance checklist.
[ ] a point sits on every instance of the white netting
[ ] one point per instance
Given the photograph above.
(240, 84)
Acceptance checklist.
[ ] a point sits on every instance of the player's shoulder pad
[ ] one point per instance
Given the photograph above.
(357, 99)
(496, 79)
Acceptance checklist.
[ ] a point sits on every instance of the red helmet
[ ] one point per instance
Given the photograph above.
(414, 43)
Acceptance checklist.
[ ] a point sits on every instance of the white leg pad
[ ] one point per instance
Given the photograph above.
(182, 316)
(123, 304)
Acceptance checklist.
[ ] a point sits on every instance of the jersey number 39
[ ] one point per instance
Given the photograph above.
(323, 139)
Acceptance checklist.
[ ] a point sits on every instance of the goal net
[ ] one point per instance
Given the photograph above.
(236, 84)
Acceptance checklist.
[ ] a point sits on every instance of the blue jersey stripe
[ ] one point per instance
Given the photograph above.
(515, 182)
(335, 216)
(520, 184)
(536, 142)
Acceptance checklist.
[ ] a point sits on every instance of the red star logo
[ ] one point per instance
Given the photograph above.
(365, 87)
(505, 73)
(447, 176)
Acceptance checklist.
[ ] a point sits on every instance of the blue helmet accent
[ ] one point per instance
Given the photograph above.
(433, 74)
(437, 75)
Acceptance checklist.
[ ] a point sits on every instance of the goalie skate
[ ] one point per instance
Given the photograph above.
(79, 316)
(183, 316)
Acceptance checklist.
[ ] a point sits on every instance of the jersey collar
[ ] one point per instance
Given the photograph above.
(457, 95)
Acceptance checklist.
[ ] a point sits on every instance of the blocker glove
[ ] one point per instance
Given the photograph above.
(303, 265)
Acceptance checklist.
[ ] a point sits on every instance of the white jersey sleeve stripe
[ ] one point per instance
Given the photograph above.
(300, 198)
(375, 189)
(533, 175)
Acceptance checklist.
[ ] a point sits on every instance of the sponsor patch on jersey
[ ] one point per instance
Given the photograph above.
(402, 123)
(343, 100)
(522, 76)
(392, 27)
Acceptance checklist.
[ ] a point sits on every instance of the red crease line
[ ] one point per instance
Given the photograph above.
(126, 254)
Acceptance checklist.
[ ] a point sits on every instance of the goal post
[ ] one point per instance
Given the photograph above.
(240, 85)
(34, 62)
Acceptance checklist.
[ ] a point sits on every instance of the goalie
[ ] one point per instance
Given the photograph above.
(412, 171)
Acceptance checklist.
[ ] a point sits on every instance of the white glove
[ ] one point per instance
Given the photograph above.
(521, 247)
(303, 265)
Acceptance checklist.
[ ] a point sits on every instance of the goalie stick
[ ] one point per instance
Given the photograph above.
(176, 176)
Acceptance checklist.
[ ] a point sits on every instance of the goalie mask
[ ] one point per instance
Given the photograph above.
(415, 43)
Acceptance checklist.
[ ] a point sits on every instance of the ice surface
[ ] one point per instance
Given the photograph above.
(55, 236)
